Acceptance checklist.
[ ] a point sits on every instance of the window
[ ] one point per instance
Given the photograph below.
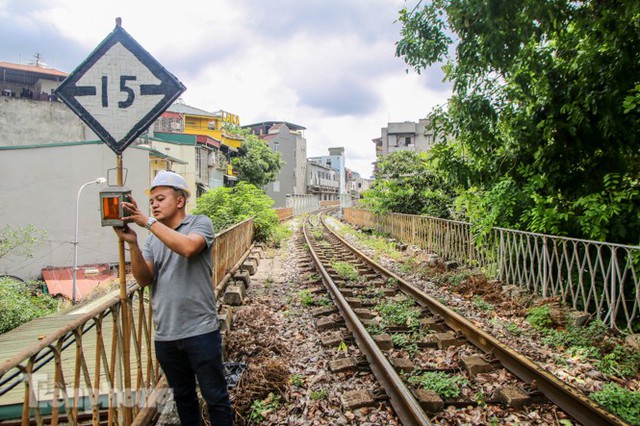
(276, 147)
(276, 186)
(407, 141)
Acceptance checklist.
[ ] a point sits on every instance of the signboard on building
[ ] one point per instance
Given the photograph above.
(119, 90)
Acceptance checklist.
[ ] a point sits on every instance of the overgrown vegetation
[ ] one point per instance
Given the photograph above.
(345, 270)
(20, 240)
(229, 206)
(399, 313)
(542, 132)
(590, 342)
(409, 183)
(446, 385)
(20, 304)
(619, 401)
(260, 409)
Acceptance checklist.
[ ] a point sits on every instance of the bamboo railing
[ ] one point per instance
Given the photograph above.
(75, 373)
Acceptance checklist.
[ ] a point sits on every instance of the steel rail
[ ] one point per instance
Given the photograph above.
(570, 399)
(402, 400)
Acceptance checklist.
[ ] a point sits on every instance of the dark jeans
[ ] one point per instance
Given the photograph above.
(184, 360)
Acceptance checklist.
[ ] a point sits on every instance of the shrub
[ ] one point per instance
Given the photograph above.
(18, 305)
(619, 401)
(399, 313)
(445, 385)
(229, 206)
(540, 317)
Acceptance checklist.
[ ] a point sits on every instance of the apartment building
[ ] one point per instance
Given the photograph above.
(287, 139)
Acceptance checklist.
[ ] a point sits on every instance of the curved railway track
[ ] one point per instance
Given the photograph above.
(433, 327)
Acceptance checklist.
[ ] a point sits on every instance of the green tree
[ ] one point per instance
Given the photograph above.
(544, 116)
(20, 241)
(257, 164)
(228, 206)
(18, 305)
(408, 182)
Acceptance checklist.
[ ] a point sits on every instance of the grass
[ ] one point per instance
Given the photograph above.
(481, 304)
(399, 313)
(446, 385)
(619, 401)
(261, 408)
(317, 395)
(346, 270)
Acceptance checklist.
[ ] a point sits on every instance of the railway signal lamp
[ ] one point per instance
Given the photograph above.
(111, 210)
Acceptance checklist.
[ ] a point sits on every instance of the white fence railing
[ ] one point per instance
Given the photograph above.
(598, 277)
(303, 203)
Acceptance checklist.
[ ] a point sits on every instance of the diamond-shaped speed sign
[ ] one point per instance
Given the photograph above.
(119, 90)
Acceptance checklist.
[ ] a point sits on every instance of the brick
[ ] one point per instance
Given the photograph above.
(383, 341)
(475, 365)
(233, 296)
(445, 340)
(389, 292)
(225, 316)
(429, 400)
(343, 364)
(450, 265)
(579, 318)
(370, 322)
(632, 341)
(513, 396)
(243, 276)
(433, 324)
(327, 323)
(402, 364)
(250, 266)
(354, 302)
(332, 340)
(323, 311)
(258, 252)
(346, 292)
(357, 399)
(363, 313)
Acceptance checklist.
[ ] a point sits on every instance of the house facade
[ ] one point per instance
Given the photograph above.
(403, 136)
(287, 139)
(322, 181)
(336, 161)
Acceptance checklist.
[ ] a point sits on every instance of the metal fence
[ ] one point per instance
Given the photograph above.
(598, 277)
(77, 373)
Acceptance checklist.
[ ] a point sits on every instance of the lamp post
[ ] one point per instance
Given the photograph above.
(99, 180)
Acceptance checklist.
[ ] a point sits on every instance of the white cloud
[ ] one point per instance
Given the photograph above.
(323, 64)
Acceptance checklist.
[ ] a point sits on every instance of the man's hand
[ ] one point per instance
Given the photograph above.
(135, 215)
(126, 234)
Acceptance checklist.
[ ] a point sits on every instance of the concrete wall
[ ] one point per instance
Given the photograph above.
(32, 122)
(40, 187)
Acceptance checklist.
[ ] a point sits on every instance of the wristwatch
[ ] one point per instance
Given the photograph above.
(150, 222)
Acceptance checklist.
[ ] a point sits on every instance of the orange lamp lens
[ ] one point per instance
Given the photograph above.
(110, 207)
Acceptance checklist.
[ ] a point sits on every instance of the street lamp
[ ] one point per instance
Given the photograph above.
(99, 180)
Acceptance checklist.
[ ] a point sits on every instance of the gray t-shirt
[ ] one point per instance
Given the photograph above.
(182, 294)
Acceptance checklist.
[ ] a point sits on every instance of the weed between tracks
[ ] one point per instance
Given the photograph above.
(591, 357)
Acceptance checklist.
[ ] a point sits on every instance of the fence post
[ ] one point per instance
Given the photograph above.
(545, 268)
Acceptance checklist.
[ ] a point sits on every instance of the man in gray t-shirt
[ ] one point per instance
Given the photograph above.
(176, 262)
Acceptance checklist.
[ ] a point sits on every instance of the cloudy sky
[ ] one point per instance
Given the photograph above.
(327, 65)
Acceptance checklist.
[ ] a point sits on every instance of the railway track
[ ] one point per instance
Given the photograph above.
(409, 338)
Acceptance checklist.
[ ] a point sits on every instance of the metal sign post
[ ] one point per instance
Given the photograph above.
(118, 91)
